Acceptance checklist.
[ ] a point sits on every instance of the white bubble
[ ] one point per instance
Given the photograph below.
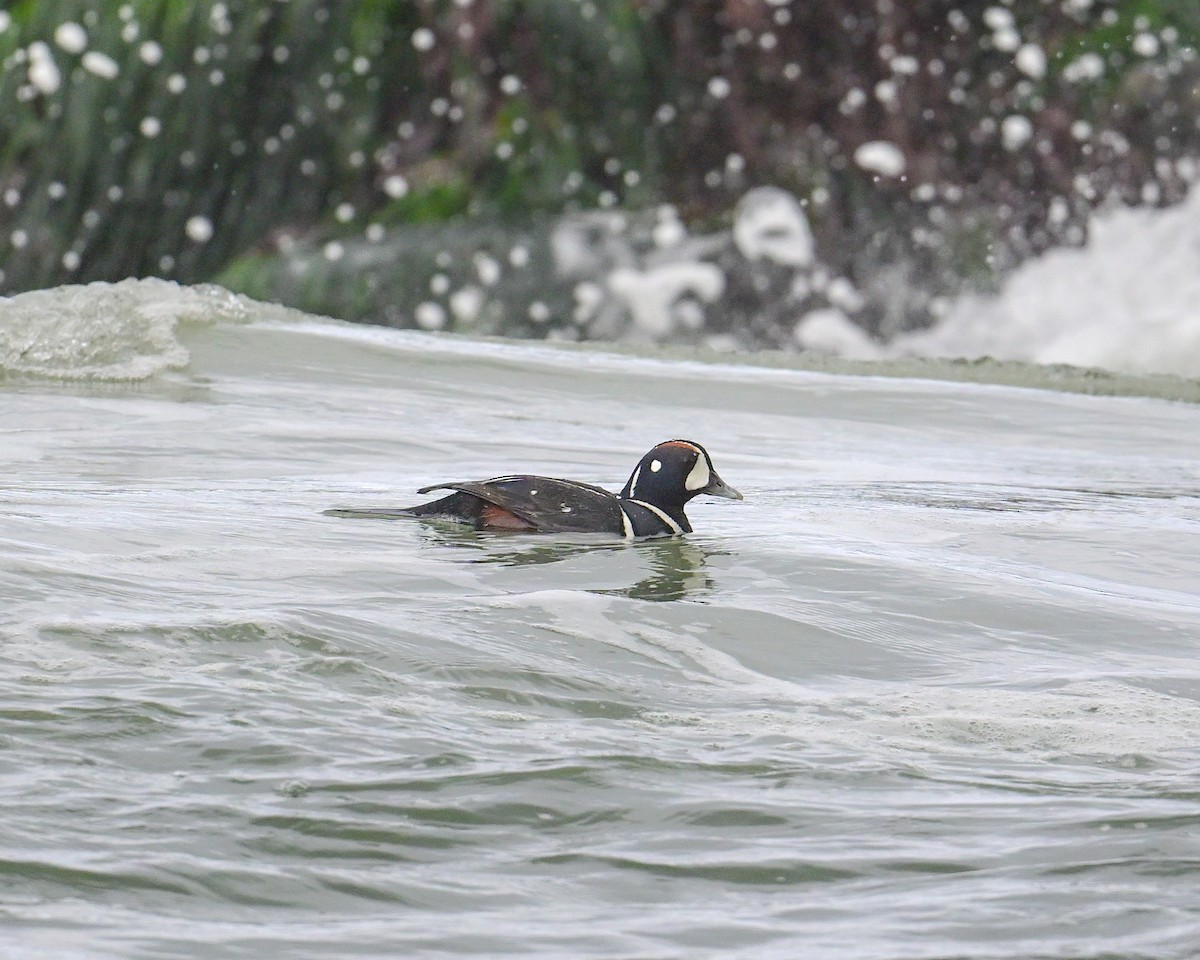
(1015, 131)
(487, 268)
(1031, 61)
(539, 312)
(71, 260)
(1006, 41)
(100, 65)
(998, 18)
(43, 72)
(374, 233)
(218, 16)
(344, 212)
(668, 230)
(151, 53)
(199, 228)
(333, 251)
(176, 83)
(854, 98)
(430, 316)
(439, 285)
(395, 186)
(19, 239)
(467, 304)
(510, 84)
(71, 37)
(886, 90)
(1088, 66)
(1145, 45)
(880, 156)
(150, 126)
(518, 256)
(423, 39)
(719, 88)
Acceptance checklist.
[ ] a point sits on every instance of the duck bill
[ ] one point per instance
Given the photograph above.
(719, 488)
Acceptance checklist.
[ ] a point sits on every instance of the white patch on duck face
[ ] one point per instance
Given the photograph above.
(565, 508)
(655, 466)
(533, 493)
(699, 476)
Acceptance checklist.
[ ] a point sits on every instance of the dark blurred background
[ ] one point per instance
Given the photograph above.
(494, 165)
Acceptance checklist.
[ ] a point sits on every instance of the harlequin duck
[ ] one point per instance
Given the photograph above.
(650, 504)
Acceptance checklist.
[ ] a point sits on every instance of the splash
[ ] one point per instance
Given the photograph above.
(106, 331)
(1129, 301)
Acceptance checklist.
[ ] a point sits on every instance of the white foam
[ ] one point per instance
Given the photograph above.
(881, 157)
(1094, 721)
(770, 224)
(105, 331)
(1129, 301)
(652, 296)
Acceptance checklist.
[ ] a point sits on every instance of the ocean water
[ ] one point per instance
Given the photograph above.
(931, 691)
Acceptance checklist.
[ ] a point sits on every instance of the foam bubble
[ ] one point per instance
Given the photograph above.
(881, 157)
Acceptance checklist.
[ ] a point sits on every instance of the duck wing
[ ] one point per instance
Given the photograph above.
(544, 503)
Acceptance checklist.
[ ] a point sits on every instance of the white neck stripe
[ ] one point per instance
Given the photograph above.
(659, 513)
(626, 524)
(633, 481)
